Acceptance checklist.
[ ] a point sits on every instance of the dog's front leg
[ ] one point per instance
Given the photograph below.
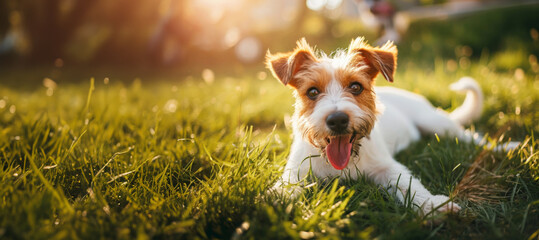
(399, 181)
(302, 154)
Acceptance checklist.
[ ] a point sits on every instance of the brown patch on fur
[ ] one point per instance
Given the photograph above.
(379, 59)
(367, 99)
(316, 77)
(284, 66)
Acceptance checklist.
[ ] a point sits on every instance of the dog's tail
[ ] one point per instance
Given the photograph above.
(473, 103)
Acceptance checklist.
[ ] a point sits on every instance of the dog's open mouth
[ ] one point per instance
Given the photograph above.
(339, 149)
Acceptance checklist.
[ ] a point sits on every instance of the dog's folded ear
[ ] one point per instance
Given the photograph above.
(379, 59)
(285, 65)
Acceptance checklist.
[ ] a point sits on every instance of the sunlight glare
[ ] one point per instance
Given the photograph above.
(333, 4)
(316, 5)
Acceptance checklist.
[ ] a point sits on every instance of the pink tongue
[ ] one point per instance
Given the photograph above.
(338, 151)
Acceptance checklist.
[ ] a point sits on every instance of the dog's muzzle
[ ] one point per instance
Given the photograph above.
(337, 122)
(340, 144)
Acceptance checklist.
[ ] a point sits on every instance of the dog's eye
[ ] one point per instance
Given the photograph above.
(312, 93)
(356, 88)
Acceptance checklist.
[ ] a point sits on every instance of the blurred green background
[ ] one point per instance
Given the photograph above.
(156, 119)
(70, 40)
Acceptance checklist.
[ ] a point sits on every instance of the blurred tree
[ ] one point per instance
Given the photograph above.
(194, 32)
(171, 34)
(146, 31)
(50, 24)
(5, 10)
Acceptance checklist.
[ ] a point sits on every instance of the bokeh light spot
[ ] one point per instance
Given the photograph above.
(519, 74)
(248, 49)
(262, 75)
(49, 83)
(333, 4)
(171, 105)
(232, 37)
(464, 62)
(59, 63)
(534, 34)
(208, 76)
(316, 5)
(452, 65)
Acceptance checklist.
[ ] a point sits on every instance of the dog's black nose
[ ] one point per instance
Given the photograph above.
(337, 121)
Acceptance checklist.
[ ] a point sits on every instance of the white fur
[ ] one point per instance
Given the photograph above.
(473, 104)
(405, 117)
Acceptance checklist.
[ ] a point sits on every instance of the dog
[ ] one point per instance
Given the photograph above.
(343, 126)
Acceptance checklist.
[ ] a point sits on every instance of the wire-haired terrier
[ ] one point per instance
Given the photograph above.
(341, 118)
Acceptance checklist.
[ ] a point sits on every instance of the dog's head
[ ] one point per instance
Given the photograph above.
(335, 99)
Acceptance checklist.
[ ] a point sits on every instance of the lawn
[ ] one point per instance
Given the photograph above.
(184, 157)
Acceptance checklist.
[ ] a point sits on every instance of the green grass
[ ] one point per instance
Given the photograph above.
(178, 157)
(189, 159)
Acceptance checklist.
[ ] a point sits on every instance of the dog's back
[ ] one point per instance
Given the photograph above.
(408, 114)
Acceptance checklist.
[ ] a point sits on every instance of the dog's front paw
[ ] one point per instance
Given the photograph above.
(282, 189)
(440, 203)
